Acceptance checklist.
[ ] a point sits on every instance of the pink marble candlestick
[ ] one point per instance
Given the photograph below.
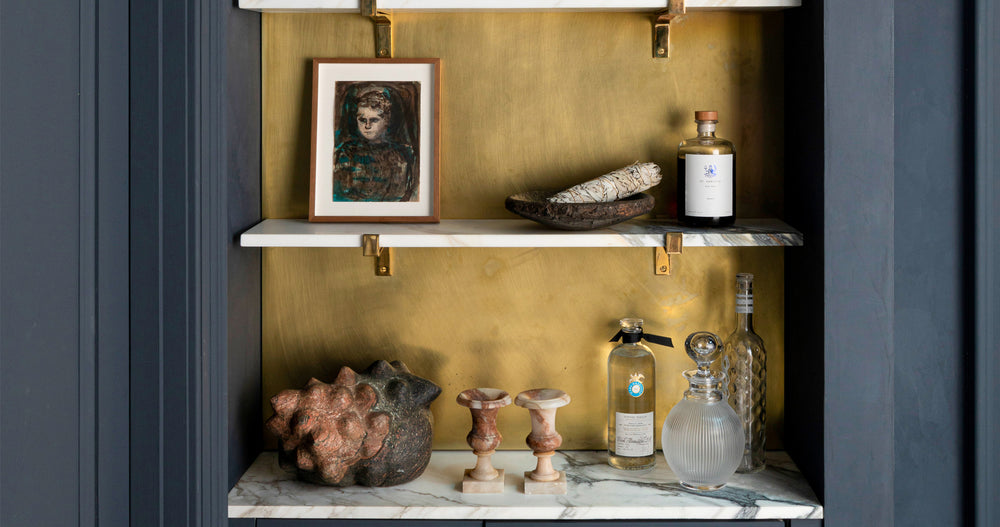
(484, 438)
(542, 404)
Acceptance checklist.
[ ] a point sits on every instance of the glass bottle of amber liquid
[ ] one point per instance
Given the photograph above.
(705, 176)
(631, 400)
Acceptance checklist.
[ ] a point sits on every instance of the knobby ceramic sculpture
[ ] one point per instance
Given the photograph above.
(371, 428)
(484, 438)
(543, 440)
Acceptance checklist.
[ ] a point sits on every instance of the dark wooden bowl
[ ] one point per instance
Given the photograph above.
(535, 206)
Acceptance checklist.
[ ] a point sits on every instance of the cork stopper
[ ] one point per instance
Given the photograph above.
(706, 115)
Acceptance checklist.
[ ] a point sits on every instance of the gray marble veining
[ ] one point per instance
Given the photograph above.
(596, 491)
(516, 233)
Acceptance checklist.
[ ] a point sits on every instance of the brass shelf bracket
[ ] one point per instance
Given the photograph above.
(661, 28)
(673, 243)
(383, 255)
(383, 28)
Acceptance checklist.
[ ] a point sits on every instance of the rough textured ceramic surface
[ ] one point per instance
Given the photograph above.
(371, 428)
(535, 206)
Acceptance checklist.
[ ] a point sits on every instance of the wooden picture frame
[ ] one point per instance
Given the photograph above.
(375, 141)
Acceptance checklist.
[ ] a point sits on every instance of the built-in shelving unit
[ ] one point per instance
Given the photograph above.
(515, 233)
(596, 491)
(354, 6)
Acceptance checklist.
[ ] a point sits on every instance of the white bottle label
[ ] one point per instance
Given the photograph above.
(634, 434)
(744, 303)
(708, 185)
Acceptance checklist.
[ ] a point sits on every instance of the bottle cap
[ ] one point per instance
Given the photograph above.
(706, 115)
(632, 332)
(703, 348)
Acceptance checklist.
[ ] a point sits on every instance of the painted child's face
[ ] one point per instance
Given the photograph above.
(371, 124)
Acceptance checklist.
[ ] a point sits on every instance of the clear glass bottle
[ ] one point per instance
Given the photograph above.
(705, 176)
(745, 363)
(702, 438)
(631, 400)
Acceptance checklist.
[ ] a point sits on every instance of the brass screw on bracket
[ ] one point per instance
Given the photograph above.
(383, 28)
(370, 246)
(673, 244)
(661, 27)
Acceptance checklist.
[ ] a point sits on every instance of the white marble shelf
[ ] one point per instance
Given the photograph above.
(514, 233)
(353, 6)
(596, 491)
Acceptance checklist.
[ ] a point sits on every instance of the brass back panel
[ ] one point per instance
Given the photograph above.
(540, 100)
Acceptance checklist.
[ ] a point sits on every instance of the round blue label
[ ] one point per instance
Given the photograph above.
(635, 388)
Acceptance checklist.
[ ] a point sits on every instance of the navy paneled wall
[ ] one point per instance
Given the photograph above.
(42, 302)
(858, 259)
(985, 455)
(930, 338)
(178, 262)
(242, 129)
(63, 254)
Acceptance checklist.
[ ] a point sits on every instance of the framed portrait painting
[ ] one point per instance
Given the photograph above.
(375, 139)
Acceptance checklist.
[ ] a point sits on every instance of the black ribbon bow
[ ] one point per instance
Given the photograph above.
(641, 335)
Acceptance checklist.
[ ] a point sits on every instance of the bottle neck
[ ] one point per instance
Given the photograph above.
(744, 306)
(704, 384)
(744, 321)
(702, 393)
(631, 336)
(706, 128)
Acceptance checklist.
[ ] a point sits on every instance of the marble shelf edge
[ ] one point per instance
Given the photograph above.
(515, 233)
(597, 492)
(431, 6)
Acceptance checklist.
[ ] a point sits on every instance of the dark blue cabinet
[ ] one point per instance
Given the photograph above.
(127, 168)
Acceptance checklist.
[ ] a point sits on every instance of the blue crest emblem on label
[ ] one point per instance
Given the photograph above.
(711, 170)
(635, 387)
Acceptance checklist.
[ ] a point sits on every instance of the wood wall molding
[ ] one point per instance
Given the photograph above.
(987, 261)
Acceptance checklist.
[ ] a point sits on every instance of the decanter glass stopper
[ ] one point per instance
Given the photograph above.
(704, 348)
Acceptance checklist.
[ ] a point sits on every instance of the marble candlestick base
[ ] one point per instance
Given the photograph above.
(484, 438)
(471, 485)
(542, 404)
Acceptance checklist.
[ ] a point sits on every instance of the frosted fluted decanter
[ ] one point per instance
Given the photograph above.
(702, 437)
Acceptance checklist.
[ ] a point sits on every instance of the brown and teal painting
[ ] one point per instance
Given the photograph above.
(376, 141)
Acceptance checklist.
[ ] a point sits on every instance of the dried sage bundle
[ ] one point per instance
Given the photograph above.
(616, 185)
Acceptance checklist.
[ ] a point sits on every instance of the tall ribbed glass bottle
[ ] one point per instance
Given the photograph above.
(631, 400)
(745, 362)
